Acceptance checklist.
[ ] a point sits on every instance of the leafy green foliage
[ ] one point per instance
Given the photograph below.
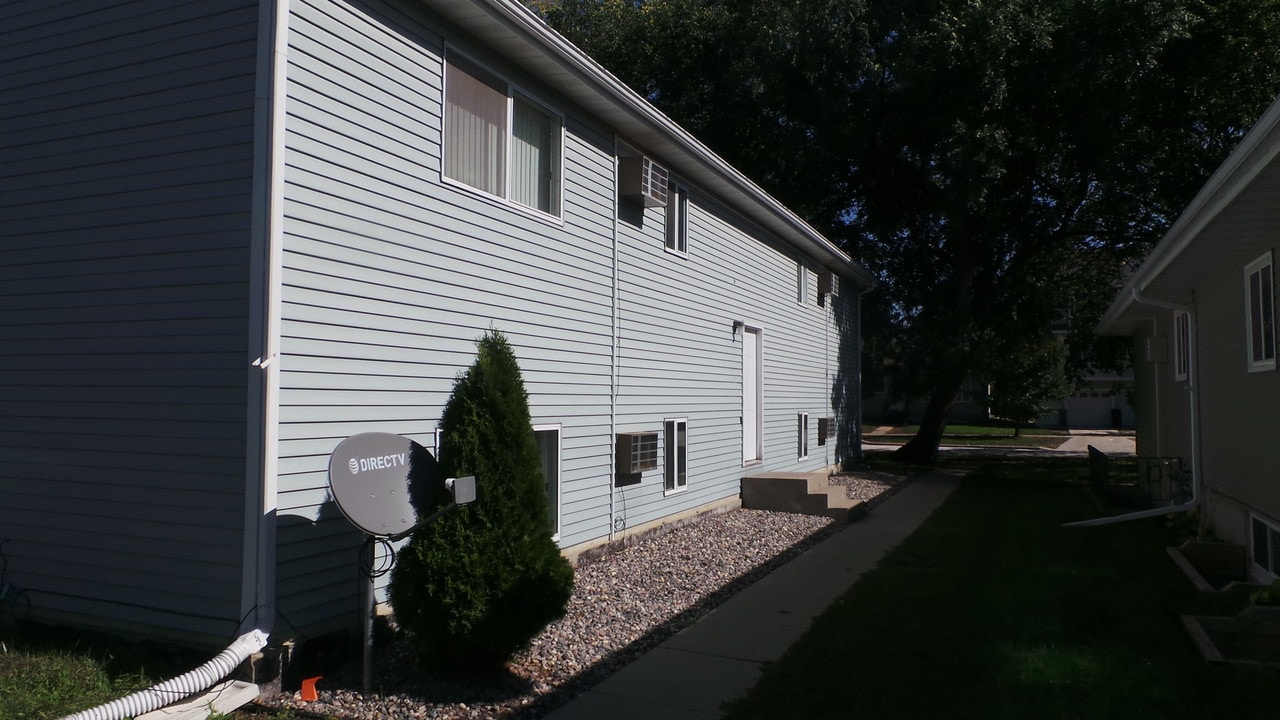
(1030, 382)
(996, 164)
(478, 584)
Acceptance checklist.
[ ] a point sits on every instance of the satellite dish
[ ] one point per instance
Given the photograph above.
(379, 479)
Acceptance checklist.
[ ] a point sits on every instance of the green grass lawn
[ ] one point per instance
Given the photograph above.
(977, 435)
(50, 672)
(994, 610)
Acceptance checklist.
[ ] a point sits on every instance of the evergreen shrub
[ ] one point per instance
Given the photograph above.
(474, 587)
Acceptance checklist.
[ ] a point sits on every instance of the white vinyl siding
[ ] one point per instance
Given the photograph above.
(128, 161)
(490, 127)
(390, 276)
(1260, 318)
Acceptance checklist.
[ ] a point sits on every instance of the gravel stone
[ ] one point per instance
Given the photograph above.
(624, 603)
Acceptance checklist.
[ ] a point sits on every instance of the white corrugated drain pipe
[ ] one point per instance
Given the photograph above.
(198, 680)
(1193, 390)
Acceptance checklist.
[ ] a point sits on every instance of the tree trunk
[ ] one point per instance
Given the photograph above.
(924, 446)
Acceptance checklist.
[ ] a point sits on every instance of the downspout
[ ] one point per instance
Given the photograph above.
(258, 576)
(1193, 391)
(614, 323)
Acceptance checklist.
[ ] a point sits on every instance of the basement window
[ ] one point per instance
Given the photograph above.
(1266, 546)
(675, 464)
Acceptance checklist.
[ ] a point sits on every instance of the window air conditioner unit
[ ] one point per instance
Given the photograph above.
(643, 181)
(637, 452)
(828, 283)
(826, 429)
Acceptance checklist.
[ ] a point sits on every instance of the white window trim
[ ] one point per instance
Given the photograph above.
(802, 283)
(558, 429)
(758, 329)
(513, 90)
(802, 436)
(1262, 264)
(667, 477)
(1260, 572)
(677, 195)
(1181, 345)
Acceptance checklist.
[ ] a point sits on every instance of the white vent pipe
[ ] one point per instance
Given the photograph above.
(198, 680)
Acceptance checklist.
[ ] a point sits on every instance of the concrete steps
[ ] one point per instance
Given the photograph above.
(798, 492)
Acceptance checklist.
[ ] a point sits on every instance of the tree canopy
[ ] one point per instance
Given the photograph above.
(996, 163)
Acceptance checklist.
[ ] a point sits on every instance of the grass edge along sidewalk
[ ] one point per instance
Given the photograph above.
(992, 609)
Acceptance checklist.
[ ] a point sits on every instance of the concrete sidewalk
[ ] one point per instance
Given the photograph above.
(718, 658)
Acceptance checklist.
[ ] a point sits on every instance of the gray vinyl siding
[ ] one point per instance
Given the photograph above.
(125, 163)
(679, 357)
(391, 275)
(1238, 408)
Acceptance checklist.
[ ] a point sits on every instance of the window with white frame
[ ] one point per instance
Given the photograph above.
(1260, 314)
(677, 219)
(802, 435)
(802, 283)
(498, 140)
(675, 466)
(1266, 545)
(547, 438)
(1181, 345)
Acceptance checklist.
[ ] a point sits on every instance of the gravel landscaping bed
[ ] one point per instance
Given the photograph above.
(624, 603)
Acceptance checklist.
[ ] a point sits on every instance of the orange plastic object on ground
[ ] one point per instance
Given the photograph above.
(309, 689)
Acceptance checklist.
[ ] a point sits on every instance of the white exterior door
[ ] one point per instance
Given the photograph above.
(751, 401)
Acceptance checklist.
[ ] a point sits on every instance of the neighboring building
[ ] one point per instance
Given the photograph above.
(1201, 310)
(233, 234)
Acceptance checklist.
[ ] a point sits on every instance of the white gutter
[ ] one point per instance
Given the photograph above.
(1193, 391)
(614, 322)
(266, 261)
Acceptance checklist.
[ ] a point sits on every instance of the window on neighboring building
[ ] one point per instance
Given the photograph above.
(498, 140)
(802, 435)
(677, 218)
(1260, 306)
(1181, 345)
(1266, 546)
(675, 464)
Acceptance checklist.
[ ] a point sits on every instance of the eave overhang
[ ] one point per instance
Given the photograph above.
(519, 34)
(1219, 224)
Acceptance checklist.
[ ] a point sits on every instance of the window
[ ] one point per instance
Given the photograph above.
(548, 439)
(1260, 319)
(677, 219)
(752, 395)
(499, 141)
(1266, 546)
(802, 283)
(802, 436)
(1181, 345)
(675, 464)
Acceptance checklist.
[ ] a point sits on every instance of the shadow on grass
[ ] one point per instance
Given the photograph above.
(993, 609)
